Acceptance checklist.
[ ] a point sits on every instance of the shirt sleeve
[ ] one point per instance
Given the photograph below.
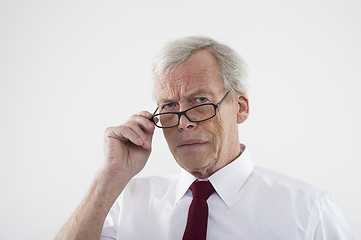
(329, 221)
(109, 231)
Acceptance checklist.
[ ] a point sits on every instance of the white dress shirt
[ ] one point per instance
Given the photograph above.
(249, 203)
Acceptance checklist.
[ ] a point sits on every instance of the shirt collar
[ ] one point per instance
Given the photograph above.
(184, 182)
(227, 181)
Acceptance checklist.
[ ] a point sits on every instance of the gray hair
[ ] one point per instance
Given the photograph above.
(231, 66)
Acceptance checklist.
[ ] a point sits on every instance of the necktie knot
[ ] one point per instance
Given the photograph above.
(202, 189)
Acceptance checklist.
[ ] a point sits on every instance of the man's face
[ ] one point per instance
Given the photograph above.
(200, 148)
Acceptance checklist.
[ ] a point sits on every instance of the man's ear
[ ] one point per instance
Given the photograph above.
(243, 107)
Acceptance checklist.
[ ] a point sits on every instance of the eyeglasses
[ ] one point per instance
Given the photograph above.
(198, 113)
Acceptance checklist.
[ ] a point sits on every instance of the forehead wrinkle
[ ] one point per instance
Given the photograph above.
(172, 87)
(167, 95)
(194, 83)
(187, 90)
(188, 79)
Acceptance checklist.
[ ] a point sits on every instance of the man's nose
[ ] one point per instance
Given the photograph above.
(185, 124)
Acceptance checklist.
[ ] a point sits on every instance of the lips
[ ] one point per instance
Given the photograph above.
(191, 143)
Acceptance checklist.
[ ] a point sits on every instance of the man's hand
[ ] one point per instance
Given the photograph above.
(127, 147)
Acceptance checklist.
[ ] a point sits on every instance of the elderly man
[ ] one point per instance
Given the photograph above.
(201, 96)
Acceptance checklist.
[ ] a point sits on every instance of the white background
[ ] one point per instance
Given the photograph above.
(69, 69)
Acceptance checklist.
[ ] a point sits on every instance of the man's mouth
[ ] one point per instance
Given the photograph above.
(191, 143)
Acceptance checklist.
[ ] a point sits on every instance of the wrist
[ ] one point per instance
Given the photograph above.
(109, 183)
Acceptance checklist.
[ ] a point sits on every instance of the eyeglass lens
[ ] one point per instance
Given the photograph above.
(197, 114)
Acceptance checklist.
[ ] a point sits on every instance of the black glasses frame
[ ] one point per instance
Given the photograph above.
(185, 112)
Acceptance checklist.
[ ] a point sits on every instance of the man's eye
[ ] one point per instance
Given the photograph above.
(201, 100)
(169, 106)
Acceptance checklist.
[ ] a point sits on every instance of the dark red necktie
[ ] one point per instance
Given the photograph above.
(196, 228)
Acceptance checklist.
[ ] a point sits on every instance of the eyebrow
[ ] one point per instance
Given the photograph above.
(166, 101)
(191, 95)
(201, 92)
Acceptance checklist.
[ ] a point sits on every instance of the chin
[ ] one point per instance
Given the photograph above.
(192, 166)
(191, 154)
(194, 161)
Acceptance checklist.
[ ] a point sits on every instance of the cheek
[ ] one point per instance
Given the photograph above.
(169, 136)
(215, 127)
(166, 133)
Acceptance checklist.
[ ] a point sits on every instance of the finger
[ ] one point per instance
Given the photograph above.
(156, 119)
(143, 135)
(149, 116)
(124, 134)
(116, 133)
(138, 130)
(143, 122)
(145, 114)
(134, 135)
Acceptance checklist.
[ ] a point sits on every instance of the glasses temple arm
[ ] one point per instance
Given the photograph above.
(223, 98)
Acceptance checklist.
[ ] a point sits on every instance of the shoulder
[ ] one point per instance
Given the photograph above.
(274, 179)
(276, 185)
(284, 200)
